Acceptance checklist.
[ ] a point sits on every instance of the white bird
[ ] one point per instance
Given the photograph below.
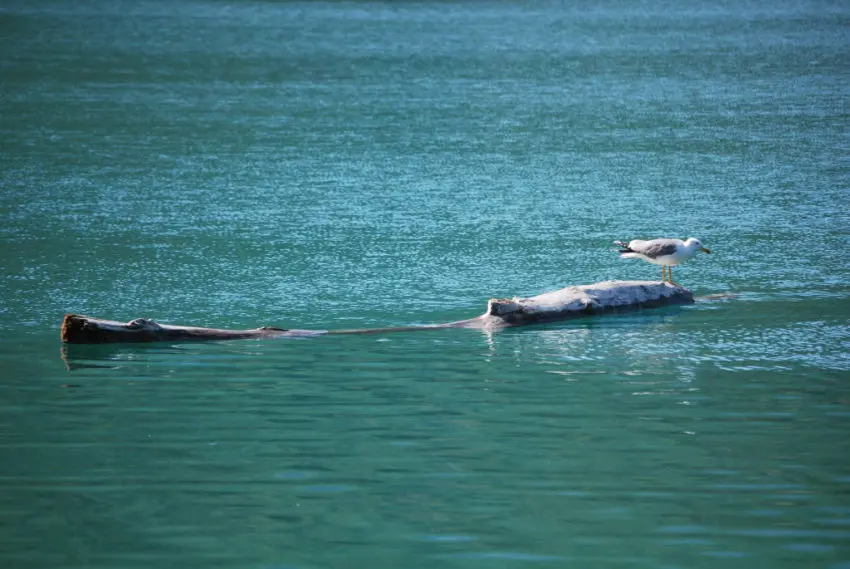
(664, 252)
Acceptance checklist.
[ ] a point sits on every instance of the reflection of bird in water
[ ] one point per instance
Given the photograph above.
(664, 252)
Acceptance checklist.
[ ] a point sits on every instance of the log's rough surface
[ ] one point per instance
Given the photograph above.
(577, 301)
(78, 329)
(570, 302)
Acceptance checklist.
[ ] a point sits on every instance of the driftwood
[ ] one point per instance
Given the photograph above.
(78, 329)
(579, 301)
(570, 302)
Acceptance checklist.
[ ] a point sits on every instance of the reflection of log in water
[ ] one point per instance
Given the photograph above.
(570, 302)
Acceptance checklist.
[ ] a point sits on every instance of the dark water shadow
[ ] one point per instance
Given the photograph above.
(111, 356)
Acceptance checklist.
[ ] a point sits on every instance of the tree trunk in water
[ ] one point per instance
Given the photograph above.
(570, 302)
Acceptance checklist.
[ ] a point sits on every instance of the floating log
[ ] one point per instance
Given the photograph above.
(578, 301)
(570, 302)
(77, 329)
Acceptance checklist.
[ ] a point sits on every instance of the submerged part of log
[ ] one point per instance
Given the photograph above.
(570, 302)
(577, 301)
(78, 329)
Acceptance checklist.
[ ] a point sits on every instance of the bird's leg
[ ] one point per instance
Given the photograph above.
(663, 268)
(670, 277)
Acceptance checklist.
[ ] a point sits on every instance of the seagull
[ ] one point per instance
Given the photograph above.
(664, 252)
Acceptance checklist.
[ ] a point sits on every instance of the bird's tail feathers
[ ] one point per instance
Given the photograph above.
(625, 247)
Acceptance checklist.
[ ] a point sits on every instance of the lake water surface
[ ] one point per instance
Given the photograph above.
(363, 164)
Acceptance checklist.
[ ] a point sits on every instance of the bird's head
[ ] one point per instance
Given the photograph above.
(695, 245)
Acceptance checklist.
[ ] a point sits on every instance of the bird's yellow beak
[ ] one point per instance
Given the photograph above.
(704, 250)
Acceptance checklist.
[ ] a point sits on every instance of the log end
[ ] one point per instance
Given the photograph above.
(73, 329)
(78, 329)
(502, 306)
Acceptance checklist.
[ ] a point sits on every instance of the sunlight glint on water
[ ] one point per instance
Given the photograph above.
(351, 165)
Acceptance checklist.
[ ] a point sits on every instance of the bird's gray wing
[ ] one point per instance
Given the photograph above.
(656, 248)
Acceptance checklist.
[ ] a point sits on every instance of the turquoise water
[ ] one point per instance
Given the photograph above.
(358, 164)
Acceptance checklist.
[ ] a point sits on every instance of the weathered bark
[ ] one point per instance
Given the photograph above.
(78, 329)
(570, 302)
(578, 301)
